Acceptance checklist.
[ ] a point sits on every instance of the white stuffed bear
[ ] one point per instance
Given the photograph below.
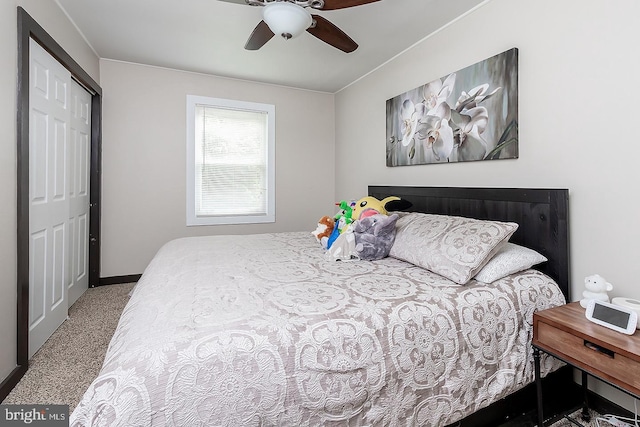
(596, 288)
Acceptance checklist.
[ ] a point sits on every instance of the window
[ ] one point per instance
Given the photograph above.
(230, 161)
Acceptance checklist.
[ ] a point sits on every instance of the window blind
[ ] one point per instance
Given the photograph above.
(230, 162)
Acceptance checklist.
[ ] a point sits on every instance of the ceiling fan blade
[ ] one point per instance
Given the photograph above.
(342, 4)
(260, 35)
(329, 33)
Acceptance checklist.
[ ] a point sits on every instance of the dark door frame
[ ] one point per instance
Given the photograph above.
(29, 28)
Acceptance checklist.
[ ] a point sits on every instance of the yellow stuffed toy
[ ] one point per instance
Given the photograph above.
(368, 206)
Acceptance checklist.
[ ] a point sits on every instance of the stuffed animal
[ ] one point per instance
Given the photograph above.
(343, 248)
(368, 206)
(345, 214)
(596, 288)
(342, 221)
(374, 235)
(324, 230)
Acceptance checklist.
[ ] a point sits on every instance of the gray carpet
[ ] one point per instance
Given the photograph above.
(61, 371)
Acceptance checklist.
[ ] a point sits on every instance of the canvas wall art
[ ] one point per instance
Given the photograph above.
(468, 115)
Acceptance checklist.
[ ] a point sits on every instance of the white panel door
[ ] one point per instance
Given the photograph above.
(79, 167)
(49, 116)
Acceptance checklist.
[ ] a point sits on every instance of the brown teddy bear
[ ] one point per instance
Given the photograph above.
(324, 229)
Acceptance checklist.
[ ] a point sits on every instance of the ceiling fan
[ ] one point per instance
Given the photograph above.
(289, 18)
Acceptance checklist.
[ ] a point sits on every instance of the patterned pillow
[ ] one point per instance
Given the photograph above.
(510, 259)
(453, 247)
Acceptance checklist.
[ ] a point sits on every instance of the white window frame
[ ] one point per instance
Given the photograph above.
(192, 218)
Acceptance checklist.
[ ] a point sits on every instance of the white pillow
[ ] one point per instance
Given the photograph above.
(509, 259)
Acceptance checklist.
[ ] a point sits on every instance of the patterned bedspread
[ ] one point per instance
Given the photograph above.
(264, 330)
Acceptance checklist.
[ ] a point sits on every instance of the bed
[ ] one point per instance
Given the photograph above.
(265, 330)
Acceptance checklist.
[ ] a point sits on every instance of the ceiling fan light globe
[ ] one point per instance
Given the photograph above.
(286, 19)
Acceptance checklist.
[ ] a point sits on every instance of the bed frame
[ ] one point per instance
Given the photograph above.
(542, 215)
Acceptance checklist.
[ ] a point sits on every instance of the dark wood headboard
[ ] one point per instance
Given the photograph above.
(542, 216)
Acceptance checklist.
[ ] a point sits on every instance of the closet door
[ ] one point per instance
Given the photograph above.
(78, 183)
(49, 116)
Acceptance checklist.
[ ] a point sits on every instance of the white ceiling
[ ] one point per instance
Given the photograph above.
(208, 36)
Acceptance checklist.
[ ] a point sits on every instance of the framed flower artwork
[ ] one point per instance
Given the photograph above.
(468, 115)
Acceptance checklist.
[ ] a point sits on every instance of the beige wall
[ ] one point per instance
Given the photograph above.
(144, 159)
(49, 16)
(578, 87)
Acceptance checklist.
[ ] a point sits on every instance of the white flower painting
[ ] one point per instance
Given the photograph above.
(468, 115)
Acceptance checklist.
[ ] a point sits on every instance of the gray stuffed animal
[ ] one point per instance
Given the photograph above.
(375, 235)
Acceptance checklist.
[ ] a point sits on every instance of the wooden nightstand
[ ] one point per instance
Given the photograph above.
(565, 333)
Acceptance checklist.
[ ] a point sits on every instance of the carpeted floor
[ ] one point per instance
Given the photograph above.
(63, 368)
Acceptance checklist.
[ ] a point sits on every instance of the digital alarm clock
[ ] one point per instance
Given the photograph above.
(618, 318)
